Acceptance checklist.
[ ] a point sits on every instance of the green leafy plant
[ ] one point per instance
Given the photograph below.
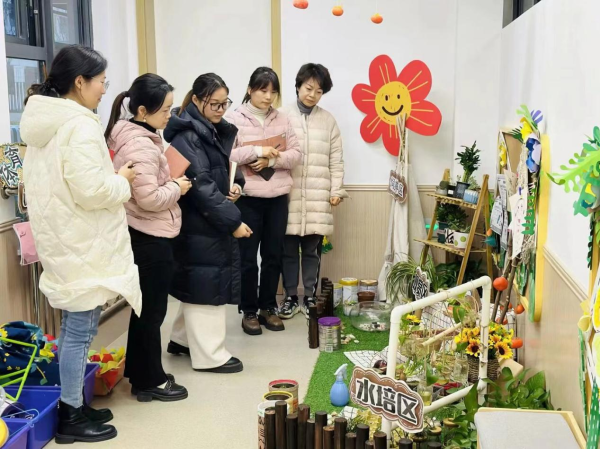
(461, 227)
(400, 278)
(443, 185)
(465, 435)
(469, 159)
(448, 273)
(515, 392)
(582, 175)
(451, 213)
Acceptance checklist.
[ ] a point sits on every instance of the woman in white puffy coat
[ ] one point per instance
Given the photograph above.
(75, 201)
(318, 186)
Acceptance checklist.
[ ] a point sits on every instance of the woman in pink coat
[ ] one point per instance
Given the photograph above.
(264, 206)
(154, 219)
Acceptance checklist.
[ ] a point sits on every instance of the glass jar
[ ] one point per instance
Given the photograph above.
(461, 369)
(426, 392)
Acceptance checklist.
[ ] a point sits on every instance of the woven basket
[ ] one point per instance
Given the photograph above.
(493, 368)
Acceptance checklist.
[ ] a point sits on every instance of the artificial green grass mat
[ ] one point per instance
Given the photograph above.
(323, 376)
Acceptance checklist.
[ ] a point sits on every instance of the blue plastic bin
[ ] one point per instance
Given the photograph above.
(43, 427)
(18, 432)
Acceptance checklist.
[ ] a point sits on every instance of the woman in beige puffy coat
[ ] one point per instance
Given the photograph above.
(318, 186)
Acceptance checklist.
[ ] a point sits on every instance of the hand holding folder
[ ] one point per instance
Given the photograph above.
(278, 142)
(177, 163)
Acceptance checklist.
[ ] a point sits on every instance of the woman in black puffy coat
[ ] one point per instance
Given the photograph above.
(207, 257)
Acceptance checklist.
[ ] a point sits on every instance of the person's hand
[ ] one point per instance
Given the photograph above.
(269, 152)
(242, 231)
(184, 184)
(260, 163)
(334, 200)
(234, 193)
(127, 172)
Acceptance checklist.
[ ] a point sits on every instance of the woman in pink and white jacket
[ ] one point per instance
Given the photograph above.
(264, 205)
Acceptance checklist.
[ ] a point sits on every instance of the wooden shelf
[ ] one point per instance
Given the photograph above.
(450, 200)
(448, 248)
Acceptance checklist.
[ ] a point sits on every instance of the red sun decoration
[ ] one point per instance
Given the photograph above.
(389, 96)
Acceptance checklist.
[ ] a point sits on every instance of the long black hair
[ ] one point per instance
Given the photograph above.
(69, 63)
(260, 79)
(148, 90)
(203, 88)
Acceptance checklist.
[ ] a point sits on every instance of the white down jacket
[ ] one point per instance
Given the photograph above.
(320, 176)
(75, 203)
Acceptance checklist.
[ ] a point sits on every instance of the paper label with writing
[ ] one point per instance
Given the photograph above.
(398, 187)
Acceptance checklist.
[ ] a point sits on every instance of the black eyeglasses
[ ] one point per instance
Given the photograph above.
(216, 106)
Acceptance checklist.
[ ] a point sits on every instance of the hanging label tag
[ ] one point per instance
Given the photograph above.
(397, 187)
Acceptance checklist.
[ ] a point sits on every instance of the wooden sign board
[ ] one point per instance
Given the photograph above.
(389, 398)
(398, 187)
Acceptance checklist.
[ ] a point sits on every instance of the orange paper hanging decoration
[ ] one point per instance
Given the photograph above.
(337, 10)
(376, 18)
(301, 4)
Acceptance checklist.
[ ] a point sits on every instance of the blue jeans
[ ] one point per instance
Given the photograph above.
(77, 331)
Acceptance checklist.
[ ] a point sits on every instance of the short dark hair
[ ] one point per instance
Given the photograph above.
(68, 64)
(317, 72)
(260, 79)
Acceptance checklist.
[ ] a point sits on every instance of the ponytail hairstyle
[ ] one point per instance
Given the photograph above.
(203, 88)
(148, 90)
(260, 79)
(69, 63)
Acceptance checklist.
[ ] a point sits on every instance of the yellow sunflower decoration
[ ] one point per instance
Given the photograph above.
(474, 347)
(413, 319)
(503, 350)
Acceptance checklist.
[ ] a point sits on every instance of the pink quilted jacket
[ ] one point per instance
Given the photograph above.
(250, 129)
(153, 207)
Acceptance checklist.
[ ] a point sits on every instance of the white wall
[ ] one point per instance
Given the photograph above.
(228, 37)
(7, 207)
(477, 87)
(549, 62)
(115, 36)
(411, 29)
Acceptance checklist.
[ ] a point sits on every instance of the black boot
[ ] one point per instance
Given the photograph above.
(74, 426)
(100, 416)
(169, 393)
(176, 349)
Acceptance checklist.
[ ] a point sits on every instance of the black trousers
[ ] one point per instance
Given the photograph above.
(154, 258)
(267, 217)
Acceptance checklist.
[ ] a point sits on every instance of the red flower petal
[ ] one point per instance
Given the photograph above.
(391, 139)
(370, 128)
(425, 118)
(416, 76)
(382, 71)
(363, 97)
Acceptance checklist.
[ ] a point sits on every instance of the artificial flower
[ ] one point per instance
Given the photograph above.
(526, 129)
(474, 347)
(503, 350)
(534, 154)
(495, 339)
(391, 95)
(413, 319)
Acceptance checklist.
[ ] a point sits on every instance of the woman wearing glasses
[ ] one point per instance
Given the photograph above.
(265, 208)
(207, 258)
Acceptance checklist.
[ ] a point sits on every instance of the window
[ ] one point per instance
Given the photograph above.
(513, 9)
(34, 32)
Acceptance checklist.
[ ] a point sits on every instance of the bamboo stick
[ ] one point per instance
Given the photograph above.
(328, 433)
(292, 431)
(320, 423)
(310, 434)
(351, 441)
(380, 439)
(370, 444)
(340, 426)
(280, 415)
(362, 435)
(303, 415)
(270, 430)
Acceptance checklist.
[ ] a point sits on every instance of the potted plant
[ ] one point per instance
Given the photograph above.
(472, 193)
(461, 235)
(442, 188)
(400, 278)
(455, 217)
(469, 160)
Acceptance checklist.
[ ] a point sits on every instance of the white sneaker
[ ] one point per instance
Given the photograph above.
(289, 308)
(307, 303)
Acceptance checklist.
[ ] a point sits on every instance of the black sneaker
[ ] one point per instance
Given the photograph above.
(289, 308)
(308, 301)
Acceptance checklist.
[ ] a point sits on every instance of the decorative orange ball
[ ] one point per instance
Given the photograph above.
(376, 18)
(500, 284)
(519, 309)
(301, 4)
(516, 343)
(337, 11)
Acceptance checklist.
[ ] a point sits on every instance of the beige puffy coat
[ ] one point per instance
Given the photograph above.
(320, 175)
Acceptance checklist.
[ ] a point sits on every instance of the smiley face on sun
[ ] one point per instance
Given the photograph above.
(389, 96)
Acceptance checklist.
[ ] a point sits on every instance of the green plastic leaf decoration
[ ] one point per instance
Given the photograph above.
(526, 114)
(529, 223)
(516, 133)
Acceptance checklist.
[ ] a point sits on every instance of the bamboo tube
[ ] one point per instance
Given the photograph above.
(280, 415)
(328, 433)
(320, 309)
(303, 415)
(370, 444)
(380, 439)
(313, 327)
(362, 435)
(442, 334)
(405, 443)
(340, 426)
(351, 441)
(292, 431)
(310, 434)
(510, 289)
(270, 431)
(320, 423)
